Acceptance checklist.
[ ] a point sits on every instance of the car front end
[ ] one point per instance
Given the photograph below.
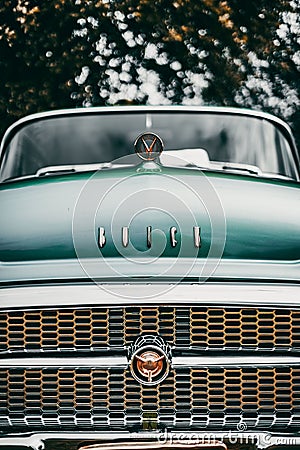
(149, 300)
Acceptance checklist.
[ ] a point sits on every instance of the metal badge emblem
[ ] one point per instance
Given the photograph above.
(101, 239)
(149, 360)
(148, 146)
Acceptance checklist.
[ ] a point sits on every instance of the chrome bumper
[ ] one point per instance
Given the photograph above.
(160, 440)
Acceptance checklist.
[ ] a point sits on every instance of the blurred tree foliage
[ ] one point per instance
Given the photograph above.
(64, 53)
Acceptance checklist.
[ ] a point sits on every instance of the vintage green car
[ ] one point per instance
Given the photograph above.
(149, 270)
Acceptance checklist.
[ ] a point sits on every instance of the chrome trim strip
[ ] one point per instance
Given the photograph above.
(197, 237)
(234, 361)
(139, 293)
(195, 269)
(173, 231)
(125, 236)
(149, 236)
(156, 445)
(101, 237)
(262, 440)
(122, 361)
(43, 362)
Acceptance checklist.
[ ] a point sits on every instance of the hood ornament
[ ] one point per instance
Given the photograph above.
(148, 146)
(149, 360)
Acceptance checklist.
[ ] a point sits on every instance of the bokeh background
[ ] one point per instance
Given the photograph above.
(72, 53)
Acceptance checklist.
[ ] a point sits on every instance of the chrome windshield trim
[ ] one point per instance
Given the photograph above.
(146, 109)
(123, 362)
(149, 109)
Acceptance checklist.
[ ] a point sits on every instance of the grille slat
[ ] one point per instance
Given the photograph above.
(195, 327)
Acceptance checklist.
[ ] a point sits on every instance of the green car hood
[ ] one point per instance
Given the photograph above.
(60, 217)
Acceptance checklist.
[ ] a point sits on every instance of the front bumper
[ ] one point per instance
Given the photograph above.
(159, 440)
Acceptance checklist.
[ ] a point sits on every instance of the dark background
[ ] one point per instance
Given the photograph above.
(70, 53)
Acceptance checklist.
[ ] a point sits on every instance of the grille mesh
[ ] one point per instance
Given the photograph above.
(101, 328)
(197, 398)
(207, 398)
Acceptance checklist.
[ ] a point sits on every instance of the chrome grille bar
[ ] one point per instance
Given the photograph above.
(183, 361)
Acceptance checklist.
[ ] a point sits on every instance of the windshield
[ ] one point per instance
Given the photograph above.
(92, 138)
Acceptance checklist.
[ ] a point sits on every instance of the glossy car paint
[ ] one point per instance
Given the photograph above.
(262, 216)
(47, 222)
(50, 224)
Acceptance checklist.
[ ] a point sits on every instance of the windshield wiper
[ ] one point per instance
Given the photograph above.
(237, 167)
(54, 170)
(199, 158)
(247, 168)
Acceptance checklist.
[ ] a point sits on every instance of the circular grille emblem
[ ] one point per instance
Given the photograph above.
(149, 363)
(148, 146)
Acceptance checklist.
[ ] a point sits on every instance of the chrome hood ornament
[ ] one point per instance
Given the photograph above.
(148, 146)
(149, 360)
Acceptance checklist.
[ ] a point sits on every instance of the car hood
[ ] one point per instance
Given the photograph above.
(61, 217)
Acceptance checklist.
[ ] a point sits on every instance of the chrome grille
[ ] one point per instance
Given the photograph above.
(103, 328)
(207, 398)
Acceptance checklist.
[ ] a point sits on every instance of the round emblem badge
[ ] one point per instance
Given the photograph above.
(149, 363)
(148, 146)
